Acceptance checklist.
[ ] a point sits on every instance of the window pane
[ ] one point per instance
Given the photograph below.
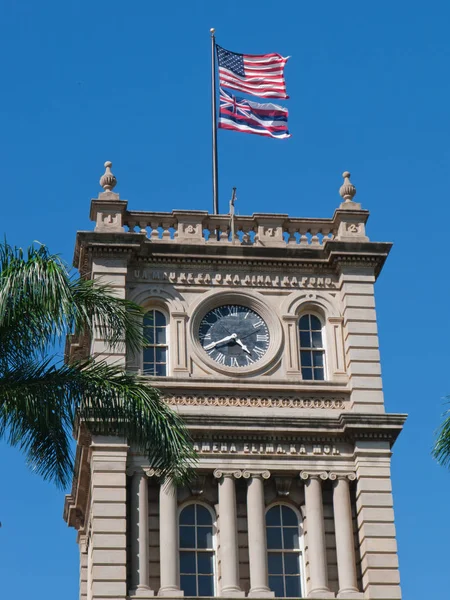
(161, 355)
(289, 516)
(315, 323)
(205, 585)
(292, 587)
(304, 322)
(160, 335)
(149, 334)
(276, 585)
(160, 370)
(187, 562)
(273, 516)
(318, 359)
(149, 319)
(275, 563)
(305, 358)
(305, 341)
(187, 537)
(205, 563)
(291, 563)
(149, 355)
(274, 538)
(204, 537)
(307, 374)
(188, 585)
(316, 339)
(203, 515)
(319, 374)
(160, 319)
(187, 515)
(148, 368)
(290, 536)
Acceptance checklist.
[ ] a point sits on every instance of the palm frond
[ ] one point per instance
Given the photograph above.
(38, 403)
(441, 449)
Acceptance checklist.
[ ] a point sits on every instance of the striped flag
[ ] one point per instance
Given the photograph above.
(240, 114)
(255, 74)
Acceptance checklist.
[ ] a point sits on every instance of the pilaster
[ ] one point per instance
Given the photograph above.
(375, 518)
(108, 556)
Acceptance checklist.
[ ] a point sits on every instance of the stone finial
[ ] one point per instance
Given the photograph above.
(108, 181)
(347, 189)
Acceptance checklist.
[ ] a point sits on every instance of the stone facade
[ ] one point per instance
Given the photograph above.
(265, 434)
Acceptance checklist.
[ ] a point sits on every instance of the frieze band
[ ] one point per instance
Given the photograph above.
(322, 402)
(234, 279)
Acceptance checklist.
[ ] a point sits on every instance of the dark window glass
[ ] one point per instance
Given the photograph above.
(275, 563)
(196, 566)
(189, 584)
(155, 352)
(187, 537)
(312, 353)
(273, 516)
(187, 562)
(205, 563)
(282, 529)
(205, 585)
(203, 516)
(276, 585)
(187, 516)
(292, 587)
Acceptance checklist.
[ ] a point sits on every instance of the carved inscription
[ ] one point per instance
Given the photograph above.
(265, 448)
(234, 279)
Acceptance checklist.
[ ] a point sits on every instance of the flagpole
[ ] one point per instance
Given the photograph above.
(214, 125)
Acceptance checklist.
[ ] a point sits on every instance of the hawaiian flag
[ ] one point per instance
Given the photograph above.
(255, 74)
(240, 114)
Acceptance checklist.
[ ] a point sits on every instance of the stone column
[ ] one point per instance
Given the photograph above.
(139, 536)
(345, 543)
(168, 541)
(257, 544)
(229, 551)
(316, 535)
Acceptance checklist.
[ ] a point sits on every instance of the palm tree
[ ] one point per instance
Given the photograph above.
(41, 302)
(441, 450)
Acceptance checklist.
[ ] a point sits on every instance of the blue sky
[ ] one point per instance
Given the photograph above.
(84, 82)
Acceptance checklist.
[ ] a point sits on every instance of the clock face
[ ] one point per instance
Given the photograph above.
(234, 336)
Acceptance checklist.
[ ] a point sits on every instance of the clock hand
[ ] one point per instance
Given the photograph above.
(251, 333)
(228, 338)
(243, 346)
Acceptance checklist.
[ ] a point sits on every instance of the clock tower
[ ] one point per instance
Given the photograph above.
(261, 332)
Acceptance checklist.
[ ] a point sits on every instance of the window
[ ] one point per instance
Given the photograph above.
(283, 545)
(196, 551)
(155, 351)
(312, 351)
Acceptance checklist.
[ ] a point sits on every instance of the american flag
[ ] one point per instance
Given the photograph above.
(240, 114)
(255, 74)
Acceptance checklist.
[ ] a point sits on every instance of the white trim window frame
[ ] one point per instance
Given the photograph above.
(285, 552)
(311, 331)
(155, 355)
(197, 550)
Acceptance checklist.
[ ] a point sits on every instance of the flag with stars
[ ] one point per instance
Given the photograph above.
(240, 114)
(255, 74)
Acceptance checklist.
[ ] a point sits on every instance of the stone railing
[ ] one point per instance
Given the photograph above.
(201, 227)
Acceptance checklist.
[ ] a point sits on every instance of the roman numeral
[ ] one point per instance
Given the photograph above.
(233, 311)
(249, 360)
(217, 313)
(220, 358)
(258, 323)
(262, 337)
(246, 314)
(234, 362)
(259, 351)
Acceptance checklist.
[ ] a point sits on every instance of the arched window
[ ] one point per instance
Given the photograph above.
(156, 349)
(196, 551)
(312, 351)
(284, 556)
